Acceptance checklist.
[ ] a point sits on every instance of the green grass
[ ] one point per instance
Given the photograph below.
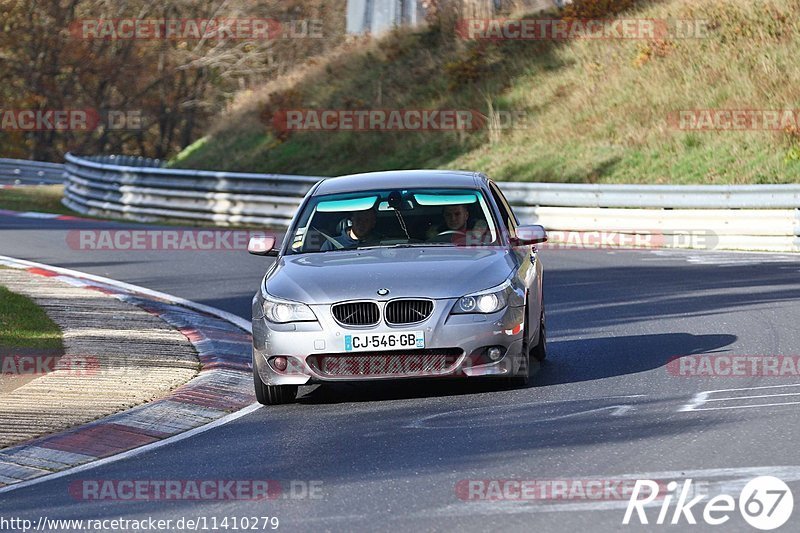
(40, 198)
(23, 324)
(596, 110)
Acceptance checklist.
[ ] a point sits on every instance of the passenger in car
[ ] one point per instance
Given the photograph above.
(455, 226)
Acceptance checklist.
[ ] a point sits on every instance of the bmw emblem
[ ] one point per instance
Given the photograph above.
(383, 292)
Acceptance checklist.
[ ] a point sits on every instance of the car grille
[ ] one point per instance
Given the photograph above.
(408, 363)
(408, 311)
(356, 313)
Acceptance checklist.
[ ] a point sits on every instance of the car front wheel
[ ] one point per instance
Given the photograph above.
(273, 394)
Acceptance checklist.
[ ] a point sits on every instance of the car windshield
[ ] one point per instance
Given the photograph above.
(395, 218)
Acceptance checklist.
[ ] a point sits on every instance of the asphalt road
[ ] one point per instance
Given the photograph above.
(605, 405)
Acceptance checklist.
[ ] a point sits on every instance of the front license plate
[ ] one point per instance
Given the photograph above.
(366, 342)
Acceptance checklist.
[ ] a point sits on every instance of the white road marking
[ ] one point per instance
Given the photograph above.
(244, 324)
(746, 406)
(762, 387)
(136, 451)
(717, 480)
(239, 321)
(697, 400)
(617, 410)
(734, 398)
(702, 398)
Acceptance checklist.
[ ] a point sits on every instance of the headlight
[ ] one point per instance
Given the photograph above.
(283, 311)
(489, 301)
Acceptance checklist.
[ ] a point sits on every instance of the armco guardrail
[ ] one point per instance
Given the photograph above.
(654, 196)
(142, 189)
(749, 217)
(22, 172)
(772, 230)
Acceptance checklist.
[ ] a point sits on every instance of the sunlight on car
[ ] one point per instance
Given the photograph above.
(429, 276)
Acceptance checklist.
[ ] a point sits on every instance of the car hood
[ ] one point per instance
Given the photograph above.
(324, 278)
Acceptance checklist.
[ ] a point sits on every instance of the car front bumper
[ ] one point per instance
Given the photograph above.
(464, 337)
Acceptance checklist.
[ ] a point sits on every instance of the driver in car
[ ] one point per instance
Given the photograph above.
(361, 233)
(455, 227)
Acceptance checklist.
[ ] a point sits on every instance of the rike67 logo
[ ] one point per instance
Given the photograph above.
(765, 503)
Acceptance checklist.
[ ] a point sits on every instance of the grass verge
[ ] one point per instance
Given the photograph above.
(40, 198)
(23, 324)
(25, 329)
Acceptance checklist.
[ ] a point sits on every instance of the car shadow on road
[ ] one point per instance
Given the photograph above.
(596, 358)
(332, 393)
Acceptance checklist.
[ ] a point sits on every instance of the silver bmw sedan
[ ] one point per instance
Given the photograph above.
(396, 275)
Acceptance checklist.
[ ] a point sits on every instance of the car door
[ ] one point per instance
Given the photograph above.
(529, 270)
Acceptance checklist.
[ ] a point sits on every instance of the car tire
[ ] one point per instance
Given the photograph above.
(273, 394)
(539, 351)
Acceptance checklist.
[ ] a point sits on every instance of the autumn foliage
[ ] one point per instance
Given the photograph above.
(174, 85)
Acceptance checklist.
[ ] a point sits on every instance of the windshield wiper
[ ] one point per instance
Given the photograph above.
(376, 246)
(404, 245)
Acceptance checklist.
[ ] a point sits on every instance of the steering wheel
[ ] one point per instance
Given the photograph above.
(336, 244)
(450, 232)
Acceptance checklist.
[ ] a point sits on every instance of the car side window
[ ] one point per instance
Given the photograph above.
(507, 215)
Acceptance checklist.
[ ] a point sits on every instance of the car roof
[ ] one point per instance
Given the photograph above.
(406, 179)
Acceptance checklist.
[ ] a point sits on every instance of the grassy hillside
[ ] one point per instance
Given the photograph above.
(596, 110)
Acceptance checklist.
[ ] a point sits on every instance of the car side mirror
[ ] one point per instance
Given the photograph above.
(262, 245)
(531, 234)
